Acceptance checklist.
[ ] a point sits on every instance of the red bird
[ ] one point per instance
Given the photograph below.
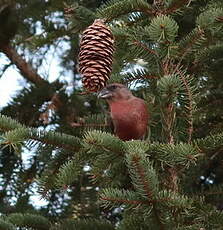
(129, 113)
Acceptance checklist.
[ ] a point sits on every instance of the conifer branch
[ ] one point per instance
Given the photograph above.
(74, 124)
(168, 117)
(6, 225)
(210, 143)
(187, 44)
(68, 173)
(27, 220)
(114, 9)
(7, 124)
(189, 107)
(111, 196)
(133, 78)
(170, 122)
(55, 143)
(176, 5)
(141, 45)
(51, 138)
(134, 202)
(212, 193)
(173, 179)
(220, 19)
(104, 141)
(156, 214)
(82, 224)
(138, 74)
(151, 77)
(15, 133)
(25, 68)
(125, 201)
(141, 173)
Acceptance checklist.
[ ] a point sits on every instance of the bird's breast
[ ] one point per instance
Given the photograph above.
(130, 118)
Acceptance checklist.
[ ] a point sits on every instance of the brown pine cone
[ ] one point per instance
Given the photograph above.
(96, 54)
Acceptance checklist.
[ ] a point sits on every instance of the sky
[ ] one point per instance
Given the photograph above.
(11, 82)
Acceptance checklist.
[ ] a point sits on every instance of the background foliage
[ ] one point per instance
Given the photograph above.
(170, 53)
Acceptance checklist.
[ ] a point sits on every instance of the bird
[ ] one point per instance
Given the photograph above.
(129, 114)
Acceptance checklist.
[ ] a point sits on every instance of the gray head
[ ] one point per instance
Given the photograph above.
(114, 92)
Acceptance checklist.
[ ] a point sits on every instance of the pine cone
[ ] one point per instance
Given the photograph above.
(95, 57)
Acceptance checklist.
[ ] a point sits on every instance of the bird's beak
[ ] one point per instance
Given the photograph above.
(104, 94)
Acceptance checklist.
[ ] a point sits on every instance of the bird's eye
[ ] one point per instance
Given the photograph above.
(112, 87)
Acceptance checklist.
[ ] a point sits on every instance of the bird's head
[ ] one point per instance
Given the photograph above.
(114, 92)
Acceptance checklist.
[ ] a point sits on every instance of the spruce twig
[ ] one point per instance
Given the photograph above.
(189, 107)
(176, 5)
